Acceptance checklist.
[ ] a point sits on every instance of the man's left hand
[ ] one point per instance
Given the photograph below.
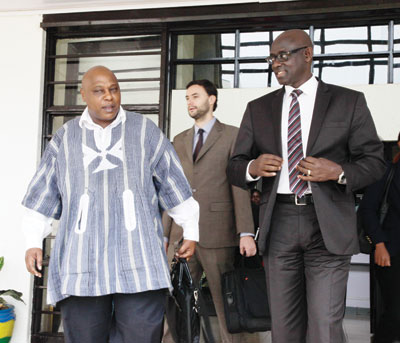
(318, 169)
(187, 249)
(247, 246)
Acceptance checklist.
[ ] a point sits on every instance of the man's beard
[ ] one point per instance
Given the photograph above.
(200, 112)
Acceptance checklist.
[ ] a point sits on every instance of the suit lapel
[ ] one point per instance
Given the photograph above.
(322, 99)
(213, 136)
(276, 110)
(188, 143)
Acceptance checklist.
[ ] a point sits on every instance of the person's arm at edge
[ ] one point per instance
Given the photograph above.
(368, 210)
(35, 227)
(187, 215)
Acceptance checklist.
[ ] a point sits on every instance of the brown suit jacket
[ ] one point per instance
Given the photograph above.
(225, 210)
(342, 130)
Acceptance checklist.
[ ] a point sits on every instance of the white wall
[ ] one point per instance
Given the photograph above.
(232, 104)
(21, 60)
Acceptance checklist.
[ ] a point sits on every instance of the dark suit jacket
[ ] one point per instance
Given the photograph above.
(369, 208)
(342, 130)
(225, 210)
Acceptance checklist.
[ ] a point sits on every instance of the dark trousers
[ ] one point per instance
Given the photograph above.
(306, 283)
(138, 317)
(389, 286)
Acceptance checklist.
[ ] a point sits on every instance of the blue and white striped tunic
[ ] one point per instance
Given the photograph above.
(110, 236)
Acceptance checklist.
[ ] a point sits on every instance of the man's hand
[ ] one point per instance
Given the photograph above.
(318, 169)
(187, 249)
(265, 165)
(166, 244)
(382, 257)
(34, 260)
(247, 246)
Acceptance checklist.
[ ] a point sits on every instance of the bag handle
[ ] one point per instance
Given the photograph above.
(184, 271)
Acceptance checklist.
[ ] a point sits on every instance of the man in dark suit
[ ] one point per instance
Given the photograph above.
(312, 144)
(225, 211)
(386, 238)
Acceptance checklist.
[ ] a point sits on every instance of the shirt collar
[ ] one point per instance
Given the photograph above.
(309, 87)
(87, 121)
(207, 128)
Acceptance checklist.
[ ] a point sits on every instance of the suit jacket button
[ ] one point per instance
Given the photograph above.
(194, 190)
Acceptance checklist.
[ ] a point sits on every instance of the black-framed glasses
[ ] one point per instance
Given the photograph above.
(283, 56)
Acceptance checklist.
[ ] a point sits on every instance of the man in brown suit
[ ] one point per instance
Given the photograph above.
(225, 210)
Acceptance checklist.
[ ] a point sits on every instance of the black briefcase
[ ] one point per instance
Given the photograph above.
(244, 291)
(181, 310)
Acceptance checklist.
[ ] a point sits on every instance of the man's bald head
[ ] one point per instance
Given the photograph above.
(297, 68)
(295, 36)
(100, 90)
(93, 72)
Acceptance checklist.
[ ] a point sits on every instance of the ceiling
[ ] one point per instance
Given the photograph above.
(52, 6)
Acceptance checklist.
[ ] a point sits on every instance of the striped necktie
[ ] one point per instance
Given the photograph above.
(198, 145)
(295, 146)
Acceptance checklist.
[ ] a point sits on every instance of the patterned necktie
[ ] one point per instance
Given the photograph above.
(198, 145)
(295, 146)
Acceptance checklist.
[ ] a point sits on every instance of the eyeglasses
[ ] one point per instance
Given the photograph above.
(283, 56)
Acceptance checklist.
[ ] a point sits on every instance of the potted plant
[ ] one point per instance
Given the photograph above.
(7, 315)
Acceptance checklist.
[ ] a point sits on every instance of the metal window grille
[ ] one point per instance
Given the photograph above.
(370, 51)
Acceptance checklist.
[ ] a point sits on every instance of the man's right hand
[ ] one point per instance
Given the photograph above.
(34, 260)
(187, 249)
(266, 165)
(382, 257)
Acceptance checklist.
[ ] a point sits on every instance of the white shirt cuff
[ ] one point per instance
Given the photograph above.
(35, 227)
(249, 178)
(244, 234)
(187, 216)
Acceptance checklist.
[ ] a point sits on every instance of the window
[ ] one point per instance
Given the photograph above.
(345, 55)
(135, 60)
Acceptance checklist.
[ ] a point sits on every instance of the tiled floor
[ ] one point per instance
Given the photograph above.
(356, 327)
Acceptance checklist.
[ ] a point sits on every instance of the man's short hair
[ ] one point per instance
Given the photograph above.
(208, 86)
(398, 138)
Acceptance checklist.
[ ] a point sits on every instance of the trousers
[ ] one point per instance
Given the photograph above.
(137, 317)
(306, 283)
(389, 284)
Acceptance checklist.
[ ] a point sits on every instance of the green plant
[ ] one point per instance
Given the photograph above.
(9, 292)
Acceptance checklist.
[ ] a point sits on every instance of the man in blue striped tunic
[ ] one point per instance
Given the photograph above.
(105, 176)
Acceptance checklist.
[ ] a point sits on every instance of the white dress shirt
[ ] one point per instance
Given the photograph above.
(306, 102)
(36, 226)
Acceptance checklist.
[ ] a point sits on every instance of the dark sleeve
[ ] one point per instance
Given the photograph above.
(369, 210)
(244, 151)
(242, 206)
(366, 164)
